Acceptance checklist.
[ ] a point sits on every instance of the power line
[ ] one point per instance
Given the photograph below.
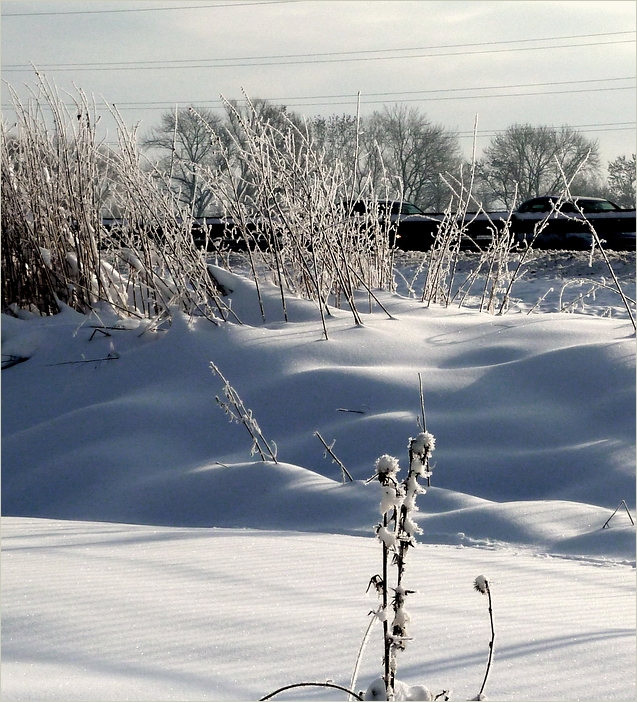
(584, 129)
(464, 97)
(143, 9)
(110, 64)
(306, 58)
(446, 90)
(163, 104)
(141, 106)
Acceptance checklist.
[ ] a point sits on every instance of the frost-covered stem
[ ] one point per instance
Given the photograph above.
(357, 145)
(422, 403)
(387, 677)
(540, 301)
(482, 585)
(361, 650)
(386, 470)
(335, 458)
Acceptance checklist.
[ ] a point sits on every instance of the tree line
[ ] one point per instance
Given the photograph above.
(397, 144)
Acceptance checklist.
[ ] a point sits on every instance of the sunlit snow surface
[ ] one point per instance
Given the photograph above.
(534, 419)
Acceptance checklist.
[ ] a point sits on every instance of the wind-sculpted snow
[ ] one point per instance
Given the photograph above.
(534, 421)
(117, 612)
(525, 409)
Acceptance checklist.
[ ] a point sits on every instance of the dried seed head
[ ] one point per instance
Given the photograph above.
(481, 584)
(423, 442)
(387, 465)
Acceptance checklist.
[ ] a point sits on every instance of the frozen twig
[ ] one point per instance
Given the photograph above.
(335, 458)
(353, 694)
(623, 502)
(237, 412)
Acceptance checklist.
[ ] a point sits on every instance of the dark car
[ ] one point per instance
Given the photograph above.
(381, 207)
(586, 204)
(566, 224)
(411, 228)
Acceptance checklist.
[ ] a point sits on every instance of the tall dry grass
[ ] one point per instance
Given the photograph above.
(55, 249)
(296, 222)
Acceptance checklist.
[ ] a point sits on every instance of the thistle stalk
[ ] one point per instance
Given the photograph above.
(481, 585)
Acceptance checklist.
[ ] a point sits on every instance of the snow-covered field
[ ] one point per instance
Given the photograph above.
(147, 556)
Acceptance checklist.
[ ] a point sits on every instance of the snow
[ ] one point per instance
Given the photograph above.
(146, 555)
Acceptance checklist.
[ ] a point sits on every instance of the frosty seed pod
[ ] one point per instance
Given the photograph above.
(423, 442)
(481, 584)
(387, 466)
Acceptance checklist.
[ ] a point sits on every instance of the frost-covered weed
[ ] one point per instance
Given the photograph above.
(481, 585)
(397, 534)
(237, 412)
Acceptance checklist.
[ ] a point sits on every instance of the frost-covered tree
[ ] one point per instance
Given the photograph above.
(335, 135)
(621, 181)
(183, 144)
(535, 160)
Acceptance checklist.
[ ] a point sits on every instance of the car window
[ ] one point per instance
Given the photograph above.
(541, 206)
(596, 206)
(409, 209)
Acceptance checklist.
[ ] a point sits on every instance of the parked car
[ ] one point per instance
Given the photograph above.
(394, 207)
(411, 228)
(567, 223)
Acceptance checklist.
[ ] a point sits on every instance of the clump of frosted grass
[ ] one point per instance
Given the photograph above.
(58, 182)
(290, 206)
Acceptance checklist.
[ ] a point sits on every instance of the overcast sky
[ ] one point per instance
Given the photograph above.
(542, 63)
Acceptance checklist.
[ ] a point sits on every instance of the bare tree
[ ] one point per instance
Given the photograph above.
(415, 151)
(621, 181)
(184, 145)
(334, 135)
(529, 158)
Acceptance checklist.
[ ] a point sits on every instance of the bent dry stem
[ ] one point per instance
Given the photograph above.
(481, 585)
(238, 412)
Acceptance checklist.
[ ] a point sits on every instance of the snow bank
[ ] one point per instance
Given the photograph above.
(122, 425)
(117, 612)
(534, 418)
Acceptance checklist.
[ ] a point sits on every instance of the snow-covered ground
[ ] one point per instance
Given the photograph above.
(147, 555)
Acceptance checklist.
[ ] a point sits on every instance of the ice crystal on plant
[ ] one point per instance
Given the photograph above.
(387, 465)
(423, 442)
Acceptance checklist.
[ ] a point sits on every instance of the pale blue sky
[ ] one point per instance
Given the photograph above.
(450, 59)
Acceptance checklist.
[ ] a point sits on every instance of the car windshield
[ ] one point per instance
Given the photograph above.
(545, 205)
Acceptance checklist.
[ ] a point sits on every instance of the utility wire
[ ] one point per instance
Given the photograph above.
(326, 53)
(144, 9)
(293, 103)
(491, 134)
(393, 95)
(309, 58)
